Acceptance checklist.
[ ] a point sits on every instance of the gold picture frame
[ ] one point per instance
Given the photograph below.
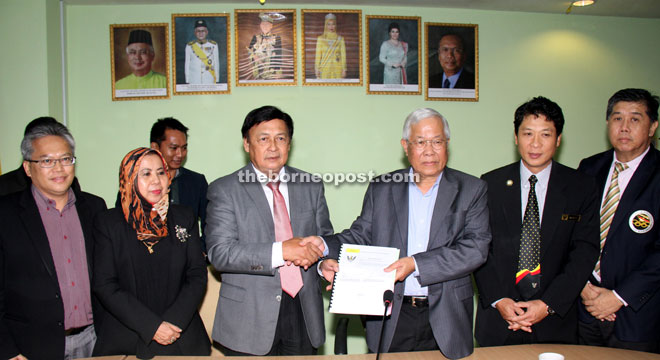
(265, 47)
(149, 53)
(463, 84)
(331, 57)
(393, 66)
(201, 64)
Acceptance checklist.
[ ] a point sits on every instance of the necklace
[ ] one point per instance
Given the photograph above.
(150, 246)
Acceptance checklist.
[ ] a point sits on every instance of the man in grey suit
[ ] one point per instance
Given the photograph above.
(249, 240)
(438, 218)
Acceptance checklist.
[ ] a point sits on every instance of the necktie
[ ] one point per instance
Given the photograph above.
(446, 84)
(609, 207)
(290, 276)
(528, 276)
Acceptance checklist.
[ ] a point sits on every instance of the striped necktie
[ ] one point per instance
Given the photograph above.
(609, 207)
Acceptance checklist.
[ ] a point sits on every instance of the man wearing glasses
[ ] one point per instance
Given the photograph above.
(45, 254)
(140, 55)
(438, 218)
(451, 56)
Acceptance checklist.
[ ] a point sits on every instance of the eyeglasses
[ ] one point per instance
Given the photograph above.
(49, 163)
(420, 144)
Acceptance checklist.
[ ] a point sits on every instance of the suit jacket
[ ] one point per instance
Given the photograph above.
(630, 260)
(192, 193)
(458, 244)
(31, 308)
(569, 250)
(465, 81)
(240, 234)
(14, 181)
(128, 325)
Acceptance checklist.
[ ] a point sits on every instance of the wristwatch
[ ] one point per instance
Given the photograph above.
(550, 311)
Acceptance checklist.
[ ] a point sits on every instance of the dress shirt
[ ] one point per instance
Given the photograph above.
(420, 215)
(623, 179)
(277, 257)
(67, 246)
(452, 79)
(541, 188)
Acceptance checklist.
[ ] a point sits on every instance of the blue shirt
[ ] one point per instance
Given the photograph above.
(452, 79)
(420, 214)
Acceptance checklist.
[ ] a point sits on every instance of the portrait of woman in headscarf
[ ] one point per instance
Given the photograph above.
(394, 56)
(330, 59)
(149, 270)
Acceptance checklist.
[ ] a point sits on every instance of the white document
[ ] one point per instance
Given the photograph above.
(361, 281)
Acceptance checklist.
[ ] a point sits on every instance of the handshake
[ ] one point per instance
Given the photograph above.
(303, 252)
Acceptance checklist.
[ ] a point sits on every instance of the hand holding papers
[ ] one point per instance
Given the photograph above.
(359, 285)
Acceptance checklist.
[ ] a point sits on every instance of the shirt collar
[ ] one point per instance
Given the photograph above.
(263, 178)
(543, 176)
(634, 163)
(453, 78)
(412, 183)
(46, 201)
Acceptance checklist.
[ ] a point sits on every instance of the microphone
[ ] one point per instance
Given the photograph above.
(388, 297)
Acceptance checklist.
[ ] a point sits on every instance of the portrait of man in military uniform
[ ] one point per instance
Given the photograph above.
(200, 61)
(201, 57)
(265, 47)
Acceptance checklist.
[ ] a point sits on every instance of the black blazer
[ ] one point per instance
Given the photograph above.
(128, 326)
(14, 181)
(465, 81)
(630, 263)
(31, 309)
(569, 250)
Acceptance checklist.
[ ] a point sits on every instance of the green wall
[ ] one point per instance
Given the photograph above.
(578, 61)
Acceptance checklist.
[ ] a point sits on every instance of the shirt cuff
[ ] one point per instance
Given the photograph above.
(416, 272)
(495, 302)
(620, 298)
(325, 247)
(277, 258)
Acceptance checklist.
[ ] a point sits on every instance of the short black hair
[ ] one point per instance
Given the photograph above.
(44, 120)
(157, 134)
(540, 106)
(263, 114)
(393, 25)
(635, 95)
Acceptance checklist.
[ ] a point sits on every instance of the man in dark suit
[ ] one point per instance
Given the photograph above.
(451, 56)
(170, 137)
(438, 218)
(621, 300)
(267, 305)
(530, 285)
(46, 255)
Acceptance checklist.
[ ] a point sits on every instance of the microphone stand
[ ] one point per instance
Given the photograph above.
(388, 296)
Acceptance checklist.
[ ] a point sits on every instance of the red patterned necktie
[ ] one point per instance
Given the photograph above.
(289, 274)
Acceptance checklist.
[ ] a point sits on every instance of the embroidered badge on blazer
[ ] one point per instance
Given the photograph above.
(641, 221)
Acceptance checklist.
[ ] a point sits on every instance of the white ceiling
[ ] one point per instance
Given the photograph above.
(622, 8)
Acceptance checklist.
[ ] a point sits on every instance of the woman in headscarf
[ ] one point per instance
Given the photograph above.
(394, 56)
(149, 270)
(330, 60)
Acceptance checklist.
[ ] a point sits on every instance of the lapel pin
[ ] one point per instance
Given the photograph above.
(509, 183)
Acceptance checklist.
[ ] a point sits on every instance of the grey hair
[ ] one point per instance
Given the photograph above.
(54, 129)
(421, 114)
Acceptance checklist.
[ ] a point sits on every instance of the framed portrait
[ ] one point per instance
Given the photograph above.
(393, 44)
(201, 51)
(265, 47)
(452, 63)
(332, 47)
(140, 61)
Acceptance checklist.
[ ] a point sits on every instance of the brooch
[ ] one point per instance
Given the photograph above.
(181, 233)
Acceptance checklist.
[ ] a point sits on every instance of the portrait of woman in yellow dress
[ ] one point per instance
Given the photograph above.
(330, 59)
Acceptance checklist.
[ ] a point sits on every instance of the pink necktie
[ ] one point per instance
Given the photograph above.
(289, 274)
